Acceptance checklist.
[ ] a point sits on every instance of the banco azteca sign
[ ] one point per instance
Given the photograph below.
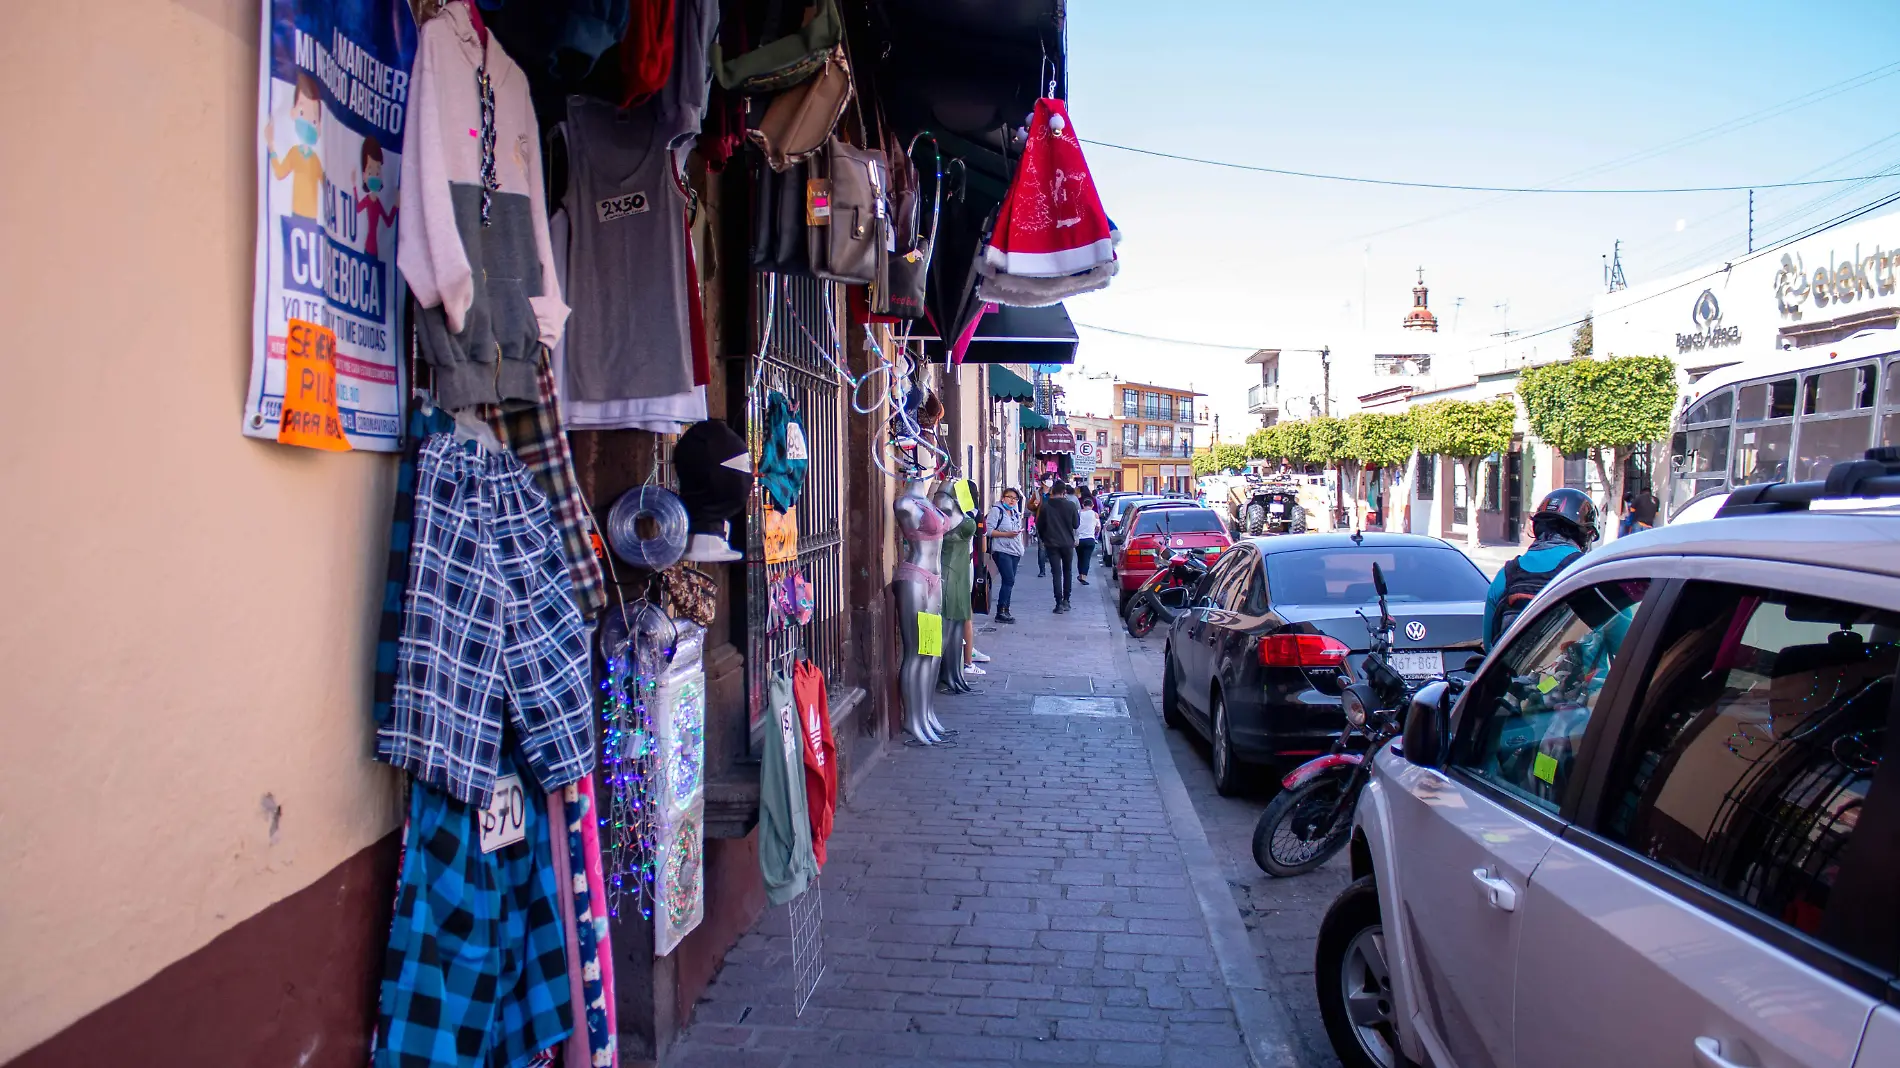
(1706, 314)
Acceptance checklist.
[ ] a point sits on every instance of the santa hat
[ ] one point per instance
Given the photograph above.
(1052, 224)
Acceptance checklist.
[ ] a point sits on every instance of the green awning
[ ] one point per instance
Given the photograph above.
(1006, 384)
(1032, 419)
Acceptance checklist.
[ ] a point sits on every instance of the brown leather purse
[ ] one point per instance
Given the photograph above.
(799, 121)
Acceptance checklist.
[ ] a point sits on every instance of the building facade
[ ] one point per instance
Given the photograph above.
(1155, 432)
(1093, 436)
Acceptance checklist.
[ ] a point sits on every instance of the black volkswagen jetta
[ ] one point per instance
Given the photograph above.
(1274, 632)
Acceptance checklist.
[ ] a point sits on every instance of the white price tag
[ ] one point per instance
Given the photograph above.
(505, 820)
(795, 448)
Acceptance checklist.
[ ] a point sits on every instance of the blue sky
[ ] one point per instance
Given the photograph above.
(1483, 93)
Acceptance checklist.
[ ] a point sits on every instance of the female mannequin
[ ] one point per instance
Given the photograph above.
(956, 590)
(918, 584)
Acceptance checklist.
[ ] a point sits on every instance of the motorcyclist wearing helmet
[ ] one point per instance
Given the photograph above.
(1562, 528)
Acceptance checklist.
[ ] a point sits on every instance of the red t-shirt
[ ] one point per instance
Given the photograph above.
(821, 753)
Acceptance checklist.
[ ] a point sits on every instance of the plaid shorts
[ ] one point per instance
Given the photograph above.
(489, 623)
(476, 972)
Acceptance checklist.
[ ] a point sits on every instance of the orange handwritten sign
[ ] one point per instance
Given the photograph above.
(310, 417)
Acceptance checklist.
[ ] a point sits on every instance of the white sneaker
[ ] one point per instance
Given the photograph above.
(979, 656)
(974, 670)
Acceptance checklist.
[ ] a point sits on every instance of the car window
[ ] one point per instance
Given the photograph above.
(1211, 584)
(1176, 520)
(1525, 719)
(1231, 592)
(1413, 573)
(1752, 755)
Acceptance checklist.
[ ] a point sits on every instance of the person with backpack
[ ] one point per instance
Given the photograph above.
(1562, 528)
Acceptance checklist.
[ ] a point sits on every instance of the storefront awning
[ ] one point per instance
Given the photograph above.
(1006, 384)
(1024, 335)
(1055, 441)
(1031, 419)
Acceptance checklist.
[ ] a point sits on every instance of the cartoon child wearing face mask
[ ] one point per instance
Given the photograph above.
(301, 164)
(370, 201)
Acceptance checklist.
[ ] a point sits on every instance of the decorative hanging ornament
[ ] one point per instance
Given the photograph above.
(1052, 239)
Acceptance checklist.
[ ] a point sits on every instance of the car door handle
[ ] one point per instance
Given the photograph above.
(1499, 892)
(1708, 1054)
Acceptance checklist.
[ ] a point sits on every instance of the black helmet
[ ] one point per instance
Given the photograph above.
(1574, 508)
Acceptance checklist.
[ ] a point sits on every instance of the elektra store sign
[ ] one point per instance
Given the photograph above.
(1710, 333)
(1865, 276)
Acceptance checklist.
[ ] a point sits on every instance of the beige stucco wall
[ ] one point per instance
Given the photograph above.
(188, 615)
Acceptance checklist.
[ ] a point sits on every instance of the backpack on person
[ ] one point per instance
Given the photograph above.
(1521, 585)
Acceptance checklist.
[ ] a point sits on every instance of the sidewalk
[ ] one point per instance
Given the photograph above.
(1021, 897)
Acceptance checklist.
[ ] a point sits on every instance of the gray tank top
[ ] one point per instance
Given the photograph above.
(628, 335)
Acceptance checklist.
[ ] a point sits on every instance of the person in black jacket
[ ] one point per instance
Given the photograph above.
(1056, 529)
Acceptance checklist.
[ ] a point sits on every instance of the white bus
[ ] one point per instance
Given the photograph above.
(1782, 416)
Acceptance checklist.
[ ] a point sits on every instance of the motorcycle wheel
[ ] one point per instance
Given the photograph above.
(1288, 840)
(1142, 616)
(1256, 518)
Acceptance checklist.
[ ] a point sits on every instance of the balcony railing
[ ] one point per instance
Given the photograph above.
(1263, 398)
(1180, 450)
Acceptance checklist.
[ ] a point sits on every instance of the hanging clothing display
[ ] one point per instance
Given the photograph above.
(1051, 239)
(785, 455)
(590, 957)
(785, 845)
(535, 436)
(646, 51)
(396, 577)
(476, 969)
(820, 753)
(956, 568)
(689, 88)
(626, 258)
(474, 245)
(489, 615)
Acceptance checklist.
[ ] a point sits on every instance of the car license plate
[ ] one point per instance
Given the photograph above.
(1277, 509)
(1418, 665)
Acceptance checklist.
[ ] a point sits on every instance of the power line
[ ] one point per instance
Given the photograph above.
(1169, 340)
(1464, 188)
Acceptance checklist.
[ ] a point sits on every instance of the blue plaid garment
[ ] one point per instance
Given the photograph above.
(476, 972)
(489, 622)
(396, 579)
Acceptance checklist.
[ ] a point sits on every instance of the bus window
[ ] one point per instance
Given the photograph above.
(1761, 452)
(1837, 419)
(1890, 423)
(1701, 457)
(1766, 400)
(1712, 410)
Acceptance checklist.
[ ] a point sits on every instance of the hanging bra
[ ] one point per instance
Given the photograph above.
(933, 523)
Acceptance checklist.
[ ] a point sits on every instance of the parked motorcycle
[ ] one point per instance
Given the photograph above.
(1165, 593)
(1311, 818)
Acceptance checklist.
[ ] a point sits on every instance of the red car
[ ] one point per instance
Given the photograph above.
(1154, 532)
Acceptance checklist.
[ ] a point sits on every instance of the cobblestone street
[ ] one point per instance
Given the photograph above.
(1040, 892)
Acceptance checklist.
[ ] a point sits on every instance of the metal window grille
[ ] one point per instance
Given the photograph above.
(796, 359)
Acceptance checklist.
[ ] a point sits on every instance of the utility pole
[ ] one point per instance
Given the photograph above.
(1616, 280)
(1326, 379)
(1457, 305)
(1751, 220)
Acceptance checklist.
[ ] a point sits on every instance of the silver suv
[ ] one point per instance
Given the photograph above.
(1662, 825)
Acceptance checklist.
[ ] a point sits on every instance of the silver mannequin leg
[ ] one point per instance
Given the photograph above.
(917, 674)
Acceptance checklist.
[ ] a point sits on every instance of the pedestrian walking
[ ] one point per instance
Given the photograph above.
(1086, 531)
(1007, 526)
(1034, 511)
(1055, 528)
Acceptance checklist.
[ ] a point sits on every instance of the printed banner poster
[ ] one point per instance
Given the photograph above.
(332, 89)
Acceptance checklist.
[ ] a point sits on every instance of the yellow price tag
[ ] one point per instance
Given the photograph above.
(929, 634)
(1547, 684)
(1545, 768)
(964, 500)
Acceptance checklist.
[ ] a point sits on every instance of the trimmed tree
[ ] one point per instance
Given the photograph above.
(1466, 431)
(1374, 439)
(1320, 440)
(1602, 409)
(1229, 458)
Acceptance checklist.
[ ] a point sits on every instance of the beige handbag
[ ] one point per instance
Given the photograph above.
(800, 120)
(852, 244)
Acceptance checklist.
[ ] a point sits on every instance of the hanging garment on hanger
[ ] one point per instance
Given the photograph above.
(584, 906)
(476, 970)
(626, 261)
(396, 577)
(659, 415)
(785, 455)
(474, 244)
(785, 848)
(535, 437)
(689, 88)
(489, 623)
(1051, 239)
(820, 753)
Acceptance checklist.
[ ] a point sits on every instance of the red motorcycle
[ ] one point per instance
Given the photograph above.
(1165, 593)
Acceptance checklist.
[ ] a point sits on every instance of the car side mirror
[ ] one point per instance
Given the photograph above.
(1425, 725)
(1474, 662)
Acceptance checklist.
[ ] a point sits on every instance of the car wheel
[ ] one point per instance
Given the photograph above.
(1226, 768)
(1355, 982)
(1170, 693)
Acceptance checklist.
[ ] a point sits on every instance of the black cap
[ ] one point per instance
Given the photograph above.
(715, 474)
